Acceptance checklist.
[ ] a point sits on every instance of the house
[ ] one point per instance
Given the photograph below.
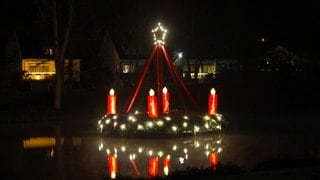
(44, 69)
(130, 69)
(40, 68)
(199, 69)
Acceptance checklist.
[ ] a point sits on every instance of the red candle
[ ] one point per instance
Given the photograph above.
(166, 165)
(212, 102)
(213, 160)
(153, 167)
(152, 105)
(165, 100)
(111, 102)
(112, 164)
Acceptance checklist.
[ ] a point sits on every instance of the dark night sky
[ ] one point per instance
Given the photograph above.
(206, 26)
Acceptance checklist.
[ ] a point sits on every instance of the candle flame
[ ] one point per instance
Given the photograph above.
(111, 92)
(165, 90)
(151, 92)
(212, 91)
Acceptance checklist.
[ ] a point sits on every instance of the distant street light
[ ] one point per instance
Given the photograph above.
(177, 59)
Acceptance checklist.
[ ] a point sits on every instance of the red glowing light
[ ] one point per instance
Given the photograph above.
(111, 102)
(165, 100)
(113, 168)
(136, 169)
(152, 105)
(213, 160)
(157, 53)
(212, 102)
(166, 165)
(153, 166)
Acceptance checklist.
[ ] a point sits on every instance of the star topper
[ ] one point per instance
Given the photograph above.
(159, 34)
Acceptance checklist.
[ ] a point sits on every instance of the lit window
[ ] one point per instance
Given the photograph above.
(38, 77)
(125, 68)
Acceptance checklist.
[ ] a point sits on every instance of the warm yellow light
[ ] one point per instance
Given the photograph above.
(174, 128)
(174, 147)
(111, 92)
(196, 128)
(159, 34)
(132, 156)
(168, 118)
(185, 124)
(151, 92)
(212, 91)
(39, 142)
(149, 124)
(140, 149)
(185, 150)
(113, 175)
(150, 152)
(122, 126)
(164, 90)
(160, 153)
(140, 127)
(160, 123)
(38, 77)
(166, 170)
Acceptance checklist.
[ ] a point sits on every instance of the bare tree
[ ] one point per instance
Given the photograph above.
(60, 47)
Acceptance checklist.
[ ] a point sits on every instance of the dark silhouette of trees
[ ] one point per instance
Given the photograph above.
(60, 46)
(55, 19)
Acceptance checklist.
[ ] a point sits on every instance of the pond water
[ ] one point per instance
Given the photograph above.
(87, 157)
(58, 155)
(77, 150)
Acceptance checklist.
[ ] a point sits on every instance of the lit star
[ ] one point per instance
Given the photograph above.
(159, 34)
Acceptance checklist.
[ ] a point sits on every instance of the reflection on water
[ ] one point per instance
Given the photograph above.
(90, 156)
(96, 157)
(159, 157)
(39, 142)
